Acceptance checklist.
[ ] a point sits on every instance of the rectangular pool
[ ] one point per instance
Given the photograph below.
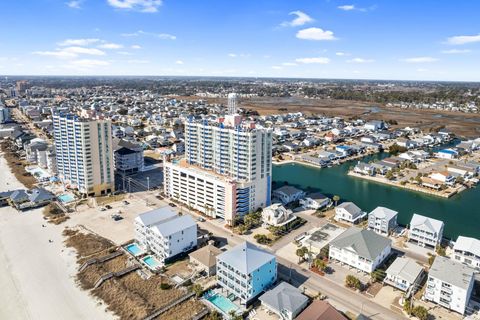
(134, 249)
(65, 198)
(222, 303)
(151, 262)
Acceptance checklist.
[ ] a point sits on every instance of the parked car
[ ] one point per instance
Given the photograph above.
(102, 209)
(125, 202)
(108, 206)
(201, 219)
(171, 204)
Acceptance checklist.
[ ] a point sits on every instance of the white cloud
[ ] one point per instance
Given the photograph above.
(56, 54)
(232, 55)
(82, 50)
(360, 60)
(110, 46)
(136, 47)
(319, 60)
(420, 60)
(315, 34)
(422, 70)
(149, 6)
(463, 39)
(455, 51)
(347, 7)
(289, 64)
(239, 55)
(78, 42)
(164, 36)
(300, 19)
(179, 62)
(341, 54)
(277, 68)
(125, 53)
(74, 4)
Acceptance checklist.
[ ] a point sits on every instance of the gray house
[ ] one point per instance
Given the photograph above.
(284, 300)
(382, 220)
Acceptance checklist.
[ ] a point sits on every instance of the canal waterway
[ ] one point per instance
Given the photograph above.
(460, 213)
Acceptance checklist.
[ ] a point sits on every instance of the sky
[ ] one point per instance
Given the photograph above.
(378, 39)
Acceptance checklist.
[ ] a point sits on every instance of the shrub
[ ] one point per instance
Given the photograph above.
(420, 312)
(353, 282)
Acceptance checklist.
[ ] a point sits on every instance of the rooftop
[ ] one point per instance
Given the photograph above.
(405, 268)
(151, 217)
(206, 255)
(284, 297)
(246, 257)
(365, 243)
(452, 272)
(429, 223)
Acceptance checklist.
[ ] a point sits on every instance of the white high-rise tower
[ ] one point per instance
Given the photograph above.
(232, 103)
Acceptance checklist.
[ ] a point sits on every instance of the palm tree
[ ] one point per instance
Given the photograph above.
(336, 199)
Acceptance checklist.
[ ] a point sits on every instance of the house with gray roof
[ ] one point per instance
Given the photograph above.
(349, 212)
(450, 284)
(287, 194)
(382, 220)
(425, 231)
(284, 300)
(467, 251)
(246, 271)
(315, 201)
(404, 274)
(361, 249)
(28, 199)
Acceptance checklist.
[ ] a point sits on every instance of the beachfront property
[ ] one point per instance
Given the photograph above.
(382, 220)
(165, 233)
(450, 284)
(349, 212)
(205, 259)
(26, 199)
(425, 231)
(84, 153)
(467, 251)
(447, 154)
(277, 215)
(246, 271)
(226, 170)
(364, 168)
(361, 249)
(444, 177)
(287, 194)
(315, 201)
(284, 300)
(321, 310)
(404, 274)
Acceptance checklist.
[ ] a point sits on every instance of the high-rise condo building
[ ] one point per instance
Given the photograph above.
(84, 153)
(227, 168)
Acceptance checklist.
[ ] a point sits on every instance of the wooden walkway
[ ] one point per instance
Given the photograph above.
(158, 312)
(103, 259)
(118, 274)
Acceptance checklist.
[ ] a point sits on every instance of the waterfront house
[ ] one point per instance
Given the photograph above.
(320, 310)
(375, 125)
(287, 194)
(277, 215)
(404, 274)
(467, 251)
(447, 154)
(425, 231)
(382, 220)
(327, 156)
(165, 233)
(205, 259)
(444, 177)
(315, 201)
(361, 249)
(28, 199)
(449, 284)
(364, 168)
(368, 139)
(349, 212)
(246, 271)
(284, 300)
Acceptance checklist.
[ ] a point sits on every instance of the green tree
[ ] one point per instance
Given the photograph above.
(336, 199)
(420, 312)
(197, 289)
(320, 264)
(353, 282)
(214, 315)
(301, 252)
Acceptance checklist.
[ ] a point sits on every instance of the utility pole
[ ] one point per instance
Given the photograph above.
(148, 184)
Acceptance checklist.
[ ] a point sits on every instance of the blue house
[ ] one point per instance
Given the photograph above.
(246, 271)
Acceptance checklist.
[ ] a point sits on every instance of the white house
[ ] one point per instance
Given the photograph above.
(364, 168)
(277, 215)
(167, 235)
(349, 212)
(404, 274)
(382, 220)
(425, 231)
(315, 201)
(287, 194)
(284, 300)
(447, 154)
(467, 251)
(449, 284)
(246, 271)
(444, 177)
(361, 249)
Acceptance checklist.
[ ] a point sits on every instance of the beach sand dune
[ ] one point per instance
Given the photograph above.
(36, 276)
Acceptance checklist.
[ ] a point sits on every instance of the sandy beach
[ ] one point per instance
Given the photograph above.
(36, 276)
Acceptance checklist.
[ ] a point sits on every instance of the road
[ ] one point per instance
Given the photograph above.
(341, 297)
(20, 117)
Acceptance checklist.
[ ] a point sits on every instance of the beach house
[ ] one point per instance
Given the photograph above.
(404, 273)
(425, 231)
(284, 300)
(349, 212)
(467, 251)
(246, 271)
(315, 201)
(382, 220)
(277, 215)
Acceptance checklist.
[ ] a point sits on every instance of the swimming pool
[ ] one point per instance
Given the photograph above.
(222, 303)
(134, 249)
(151, 262)
(67, 197)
